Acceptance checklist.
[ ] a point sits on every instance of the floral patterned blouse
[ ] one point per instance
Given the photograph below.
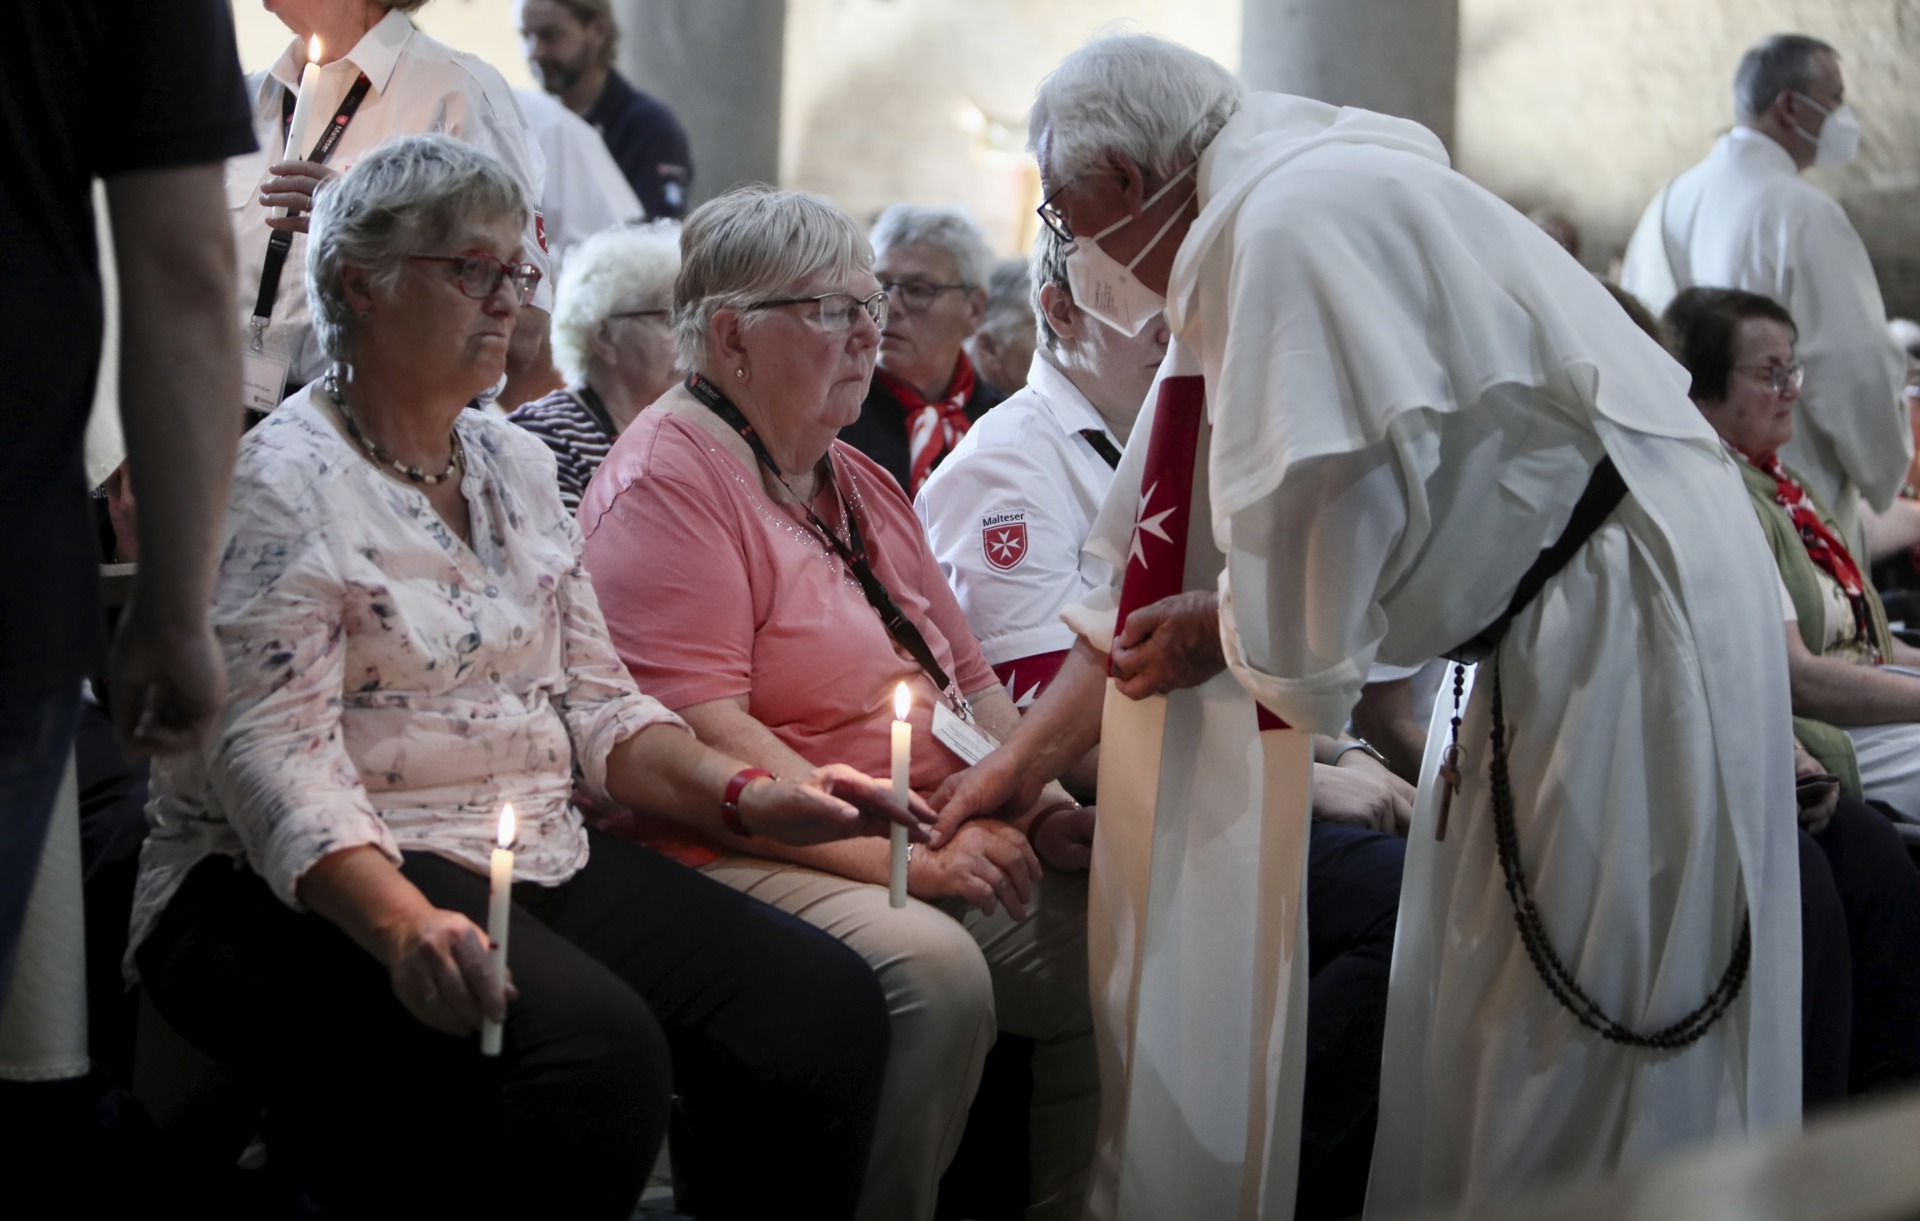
(390, 684)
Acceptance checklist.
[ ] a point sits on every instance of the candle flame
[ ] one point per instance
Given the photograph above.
(901, 702)
(313, 49)
(507, 828)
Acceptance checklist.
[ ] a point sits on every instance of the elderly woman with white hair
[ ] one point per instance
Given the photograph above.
(772, 586)
(412, 644)
(934, 264)
(612, 341)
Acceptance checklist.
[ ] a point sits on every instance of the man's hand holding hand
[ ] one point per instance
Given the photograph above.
(1169, 645)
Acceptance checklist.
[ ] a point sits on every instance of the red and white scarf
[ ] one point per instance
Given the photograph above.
(933, 428)
(1823, 546)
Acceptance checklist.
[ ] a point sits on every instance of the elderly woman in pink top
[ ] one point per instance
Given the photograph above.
(771, 585)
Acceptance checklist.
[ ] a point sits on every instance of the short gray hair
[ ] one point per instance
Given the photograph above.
(404, 197)
(1009, 309)
(628, 267)
(1151, 99)
(947, 229)
(753, 242)
(1049, 266)
(1780, 64)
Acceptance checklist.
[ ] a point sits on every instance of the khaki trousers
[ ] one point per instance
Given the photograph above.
(952, 977)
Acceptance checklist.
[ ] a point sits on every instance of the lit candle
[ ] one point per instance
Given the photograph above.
(902, 750)
(303, 104)
(499, 902)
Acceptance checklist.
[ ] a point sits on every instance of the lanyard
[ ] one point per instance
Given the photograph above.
(852, 550)
(1102, 446)
(282, 240)
(590, 399)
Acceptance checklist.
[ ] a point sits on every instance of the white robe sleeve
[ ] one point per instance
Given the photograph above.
(1300, 614)
(1854, 372)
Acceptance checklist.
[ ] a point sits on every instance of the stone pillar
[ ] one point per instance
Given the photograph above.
(1399, 57)
(717, 64)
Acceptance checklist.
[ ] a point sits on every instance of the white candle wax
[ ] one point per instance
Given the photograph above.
(303, 104)
(902, 769)
(499, 904)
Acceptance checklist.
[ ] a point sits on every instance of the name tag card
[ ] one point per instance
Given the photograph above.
(263, 379)
(967, 740)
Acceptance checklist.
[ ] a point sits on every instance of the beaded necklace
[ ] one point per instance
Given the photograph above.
(379, 456)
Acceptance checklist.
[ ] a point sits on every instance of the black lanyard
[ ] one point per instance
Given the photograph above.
(590, 399)
(852, 550)
(282, 241)
(1102, 446)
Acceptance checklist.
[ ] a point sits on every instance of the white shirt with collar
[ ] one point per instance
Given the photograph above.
(418, 85)
(1007, 511)
(1744, 218)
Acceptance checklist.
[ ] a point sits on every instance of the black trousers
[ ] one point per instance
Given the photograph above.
(638, 980)
(1878, 894)
(1353, 907)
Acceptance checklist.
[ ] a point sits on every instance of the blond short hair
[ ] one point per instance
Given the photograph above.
(755, 242)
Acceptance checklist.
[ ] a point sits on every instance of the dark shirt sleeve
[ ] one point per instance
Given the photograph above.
(648, 144)
(663, 171)
(170, 91)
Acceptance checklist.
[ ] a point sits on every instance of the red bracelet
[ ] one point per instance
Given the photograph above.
(730, 804)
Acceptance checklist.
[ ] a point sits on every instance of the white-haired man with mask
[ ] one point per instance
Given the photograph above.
(1745, 218)
(1385, 394)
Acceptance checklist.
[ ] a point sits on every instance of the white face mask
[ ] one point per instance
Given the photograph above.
(1106, 289)
(1839, 137)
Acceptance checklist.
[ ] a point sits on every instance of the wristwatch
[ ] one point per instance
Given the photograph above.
(730, 804)
(1360, 744)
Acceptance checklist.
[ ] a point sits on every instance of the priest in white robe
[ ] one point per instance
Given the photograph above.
(1745, 218)
(1393, 389)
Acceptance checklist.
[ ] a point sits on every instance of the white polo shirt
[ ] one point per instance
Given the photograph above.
(418, 85)
(1007, 512)
(586, 192)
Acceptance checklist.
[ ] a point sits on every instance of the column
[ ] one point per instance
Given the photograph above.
(1399, 57)
(717, 64)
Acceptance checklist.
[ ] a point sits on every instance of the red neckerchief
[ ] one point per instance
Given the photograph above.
(933, 428)
(1824, 548)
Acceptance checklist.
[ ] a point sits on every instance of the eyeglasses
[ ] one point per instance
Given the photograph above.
(1053, 218)
(1778, 377)
(917, 295)
(480, 275)
(836, 309)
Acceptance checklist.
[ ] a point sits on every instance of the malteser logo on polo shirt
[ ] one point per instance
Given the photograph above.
(1003, 538)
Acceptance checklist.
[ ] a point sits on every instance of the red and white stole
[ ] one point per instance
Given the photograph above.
(1196, 919)
(934, 426)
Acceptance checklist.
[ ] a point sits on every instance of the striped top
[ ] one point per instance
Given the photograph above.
(578, 436)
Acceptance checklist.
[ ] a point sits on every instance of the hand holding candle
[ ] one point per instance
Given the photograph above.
(499, 904)
(902, 769)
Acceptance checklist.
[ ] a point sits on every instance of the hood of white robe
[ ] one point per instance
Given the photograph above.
(1339, 276)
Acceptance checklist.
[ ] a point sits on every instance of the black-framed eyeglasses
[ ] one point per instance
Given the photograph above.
(479, 275)
(1778, 377)
(917, 295)
(1053, 218)
(836, 309)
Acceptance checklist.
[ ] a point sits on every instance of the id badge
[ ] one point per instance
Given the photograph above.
(963, 738)
(263, 373)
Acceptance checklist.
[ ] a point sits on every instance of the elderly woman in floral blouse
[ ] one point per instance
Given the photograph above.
(412, 643)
